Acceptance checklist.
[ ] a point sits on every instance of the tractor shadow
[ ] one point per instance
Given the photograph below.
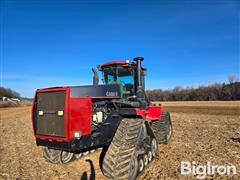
(235, 139)
(102, 155)
(92, 175)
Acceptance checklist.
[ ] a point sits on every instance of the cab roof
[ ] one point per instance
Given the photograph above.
(120, 62)
(117, 62)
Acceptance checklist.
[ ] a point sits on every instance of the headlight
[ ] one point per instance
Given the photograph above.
(40, 113)
(77, 134)
(60, 113)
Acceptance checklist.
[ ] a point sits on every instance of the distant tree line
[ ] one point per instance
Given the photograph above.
(7, 92)
(216, 91)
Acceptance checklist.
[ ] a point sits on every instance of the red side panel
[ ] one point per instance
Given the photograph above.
(80, 116)
(151, 113)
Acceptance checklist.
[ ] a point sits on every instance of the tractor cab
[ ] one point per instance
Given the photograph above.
(125, 74)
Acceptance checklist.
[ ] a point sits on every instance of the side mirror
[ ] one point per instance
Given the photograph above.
(95, 77)
(144, 72)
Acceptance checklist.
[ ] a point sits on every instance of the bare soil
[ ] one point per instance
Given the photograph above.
(203, 131)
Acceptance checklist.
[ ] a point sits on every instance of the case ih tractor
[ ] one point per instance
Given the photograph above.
(71, 121)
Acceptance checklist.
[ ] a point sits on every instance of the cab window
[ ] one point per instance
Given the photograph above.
(120, 75)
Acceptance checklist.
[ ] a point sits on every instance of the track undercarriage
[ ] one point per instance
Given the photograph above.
(130, 151)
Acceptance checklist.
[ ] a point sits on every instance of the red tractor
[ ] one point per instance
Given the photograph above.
(116, 115)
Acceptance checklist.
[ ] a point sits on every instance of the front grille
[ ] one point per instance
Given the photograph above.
(50, 123)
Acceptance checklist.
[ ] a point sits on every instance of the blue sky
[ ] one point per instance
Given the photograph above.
(45, 43)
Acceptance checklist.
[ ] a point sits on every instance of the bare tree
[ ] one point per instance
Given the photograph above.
(232, 79)
(7, 92)
(215, 91)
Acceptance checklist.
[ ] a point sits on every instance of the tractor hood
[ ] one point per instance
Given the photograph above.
(111, 90)
(55, 107)
(92, 91)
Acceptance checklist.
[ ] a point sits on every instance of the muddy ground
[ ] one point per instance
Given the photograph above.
(203, 131)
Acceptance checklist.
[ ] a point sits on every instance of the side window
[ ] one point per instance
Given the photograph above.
(110, 79)
(109, 75)
(126, 79)
(128, 85)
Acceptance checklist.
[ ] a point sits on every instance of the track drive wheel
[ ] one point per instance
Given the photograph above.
(121, 159)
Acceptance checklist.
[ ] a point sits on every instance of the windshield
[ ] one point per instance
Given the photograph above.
(120, 75)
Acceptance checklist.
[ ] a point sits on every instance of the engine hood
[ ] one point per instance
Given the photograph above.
(111, 90)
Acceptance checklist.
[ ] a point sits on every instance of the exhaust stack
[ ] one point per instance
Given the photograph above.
(139, 71)
(95, 77)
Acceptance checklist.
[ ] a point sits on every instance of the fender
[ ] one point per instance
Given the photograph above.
(151, 113)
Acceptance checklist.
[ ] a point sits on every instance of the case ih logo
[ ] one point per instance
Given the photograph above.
(109, 93)
(50, 112)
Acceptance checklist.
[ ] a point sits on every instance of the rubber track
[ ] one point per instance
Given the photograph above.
(161, 128)
(117, 161)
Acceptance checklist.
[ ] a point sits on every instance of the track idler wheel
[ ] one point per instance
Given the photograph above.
(57, 156)
(150, 156)
(82, 154)
(140, 165)
(86, 153)
(79, 155)
(145, 160)
(92, 151)
(154, 147)
(51, 155)
(66, 157)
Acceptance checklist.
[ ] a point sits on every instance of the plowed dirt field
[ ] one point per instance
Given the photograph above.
(203, 132)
